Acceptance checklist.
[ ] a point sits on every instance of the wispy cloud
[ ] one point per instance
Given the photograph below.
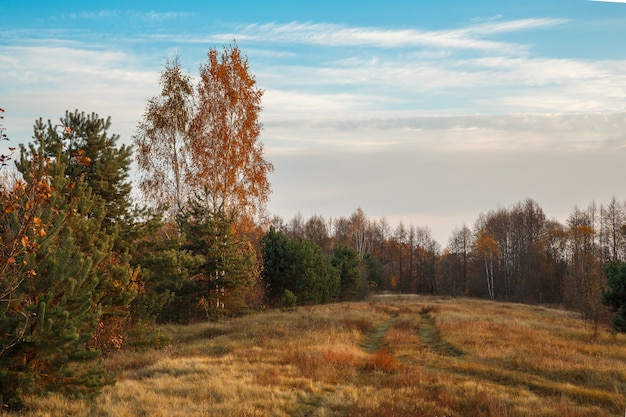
(161, 16)
(74, 76)
(98, 14)
(103, 14)
(473, 37)
(496, 27)
(337, 35)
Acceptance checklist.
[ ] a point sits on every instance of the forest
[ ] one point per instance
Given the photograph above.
(86, 268)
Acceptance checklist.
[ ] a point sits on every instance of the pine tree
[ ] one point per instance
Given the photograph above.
(50, 298)
(278, 263)
(615, 296)
(84, 151)
(299, 266)
(229, 265)
(348, 263)
(90, 152)
(164, 266)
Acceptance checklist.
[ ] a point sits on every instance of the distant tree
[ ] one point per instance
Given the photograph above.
(373, 272)
(316, 280)
(162, 141)
(399, 265)
(459, 247)
(361, 231)
(487, 247)
(348, 263)
(615, 296)
(226, 152)
(449, 271)
(584, 277)
(357, 232)
(425, 251)
(517, 234)
(548, 281)
(278, 263)
(295, 227)
(316, 229)
(528, 223)
(583, 261)
(299, 266)
(342, 231)
(612, 232)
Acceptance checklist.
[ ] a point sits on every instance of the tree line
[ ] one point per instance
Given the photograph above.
(86, 270)
(515, 254)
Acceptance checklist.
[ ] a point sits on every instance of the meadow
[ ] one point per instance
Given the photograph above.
(388, 356)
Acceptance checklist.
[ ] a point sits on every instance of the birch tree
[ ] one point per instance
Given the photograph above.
(488, 249)
(162, 141)
(226, 152)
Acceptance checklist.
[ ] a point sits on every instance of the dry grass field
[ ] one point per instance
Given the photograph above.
(389, 356)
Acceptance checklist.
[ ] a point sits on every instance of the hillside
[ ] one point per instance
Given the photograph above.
(389, 356)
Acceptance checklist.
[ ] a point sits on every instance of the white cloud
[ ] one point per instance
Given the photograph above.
(45, 81)
(498, 26)
(332, 35)
(397, 85)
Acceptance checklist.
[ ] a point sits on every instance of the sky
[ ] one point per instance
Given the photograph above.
(425, 113)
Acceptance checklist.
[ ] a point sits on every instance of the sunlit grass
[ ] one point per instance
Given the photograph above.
(391, 356)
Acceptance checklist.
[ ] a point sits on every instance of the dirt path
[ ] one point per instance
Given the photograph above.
(432, 338)
(375, 340)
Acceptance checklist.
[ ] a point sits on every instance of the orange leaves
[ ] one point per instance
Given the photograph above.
(82, 160)
(22, 226)
(486, 244)
(227, 156)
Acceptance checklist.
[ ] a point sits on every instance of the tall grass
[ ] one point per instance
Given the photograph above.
(391, 356)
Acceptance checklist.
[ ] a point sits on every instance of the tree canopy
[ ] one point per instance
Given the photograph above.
(206, 139)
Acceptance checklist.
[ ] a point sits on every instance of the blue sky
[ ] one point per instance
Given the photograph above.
(423, 112)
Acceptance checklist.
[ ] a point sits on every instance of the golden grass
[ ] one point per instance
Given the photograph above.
(391, 356)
